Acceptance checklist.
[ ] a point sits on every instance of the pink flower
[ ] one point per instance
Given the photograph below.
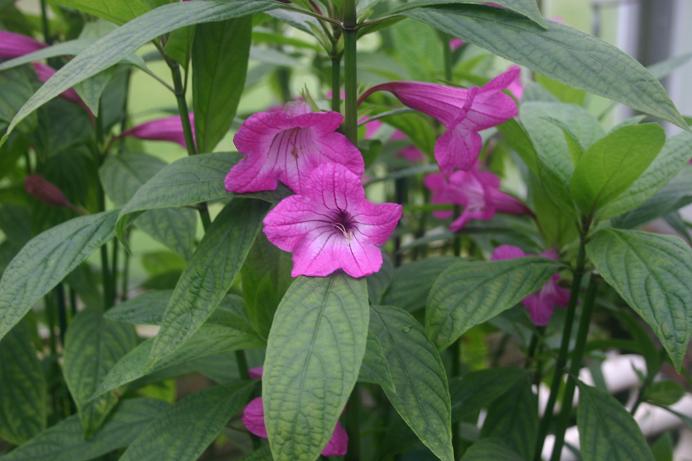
(464, 112)
(371, 128)
(45, 72)
(13, 45)
(256, 373)
(542, 304)
(285, 145)
(478, 192)
(47, 192)
(455, 44)
(330, 225)
(161, 129)
(410, 153)
(516, 87)
(253, 419)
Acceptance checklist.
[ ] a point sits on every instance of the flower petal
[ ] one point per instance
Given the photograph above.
(253, 418)
(161, 129)
(295, 216)
(507, 252)
(338, 444)
(458, 147)
(377, 221)
(13, 45)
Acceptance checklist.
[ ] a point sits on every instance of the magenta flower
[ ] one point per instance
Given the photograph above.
(464, 112)
(455, 44)
(47, 192)
(162, 129)
(285, 144)
(330, 225)
(477, 192)
(253, 419)
(13, 45)
(542, 304)
(516, 87)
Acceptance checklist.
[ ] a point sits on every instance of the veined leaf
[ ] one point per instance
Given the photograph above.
(418, 389)
(117, 11)
(183, 431)
(470, 292)
(92, 346)
(65, 441)
(673, 157)
(210, 273)
(652, 273)
(491, 449)
(560, 52)
(478, 389)
(126, 39)
(23, 399)
(47, 259)
(315, 349)
(411, 282)
(219, 66)
(607, 430)
(613, 163)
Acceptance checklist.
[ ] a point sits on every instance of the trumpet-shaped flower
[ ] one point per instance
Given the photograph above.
(542, 304)
(330, 225)
(285, 144)
(464, 113)
(161, 129)
(477, 192)
(13, 45)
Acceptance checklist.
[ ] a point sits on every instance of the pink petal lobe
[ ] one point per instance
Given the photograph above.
(162, 129)
(13, 45)
(437, 184)
(256, 373)
(293, 218)
(377, 221)
(507, 252)
(253, 418)
(458, 147)
(338, 444)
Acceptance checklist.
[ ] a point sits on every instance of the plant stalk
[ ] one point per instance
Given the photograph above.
(575, 366)
(335, 57)
(350, 70)
(45, 24)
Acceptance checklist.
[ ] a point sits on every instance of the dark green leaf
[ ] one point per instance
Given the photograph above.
(378, 283)
(92, 346)
(414, 377)
(183, 431)
(652, 273)
(147, 308)
(23, 400)
(468, 293)
(664, 393)
(558, 51)
(411, 282)
(209, 276)
(219, 65)
(491, 449)
(314, 353)
(607, 430)
(46, 260)
(117, 11)
(478, 389)
(65, 441)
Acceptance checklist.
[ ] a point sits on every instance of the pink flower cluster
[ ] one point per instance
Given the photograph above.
(328, 224)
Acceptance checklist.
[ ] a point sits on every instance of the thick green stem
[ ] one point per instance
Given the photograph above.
(447, 56)
(336, 80)
(179, 88)
(564, 348)
(45, 24)
(575, 366)
(350, 71)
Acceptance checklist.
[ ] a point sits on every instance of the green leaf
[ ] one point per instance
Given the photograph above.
(147, 308)
(314, 353)
(613, 163)
(470, 292)
(70, 47)
(265, 277)
(126, 39)
(117, 11)
(92, 346)
(210, 273)
(559, 52)
(662, 448)
(211, 339)
(607, 430)
(379, 282)
(65, 441)
(491, 449)
(562, 92)
(673, 157)
(664, 393)
(664, 68)
(122, 175)
(478, 389)
(186, 429)
(513, 417)
(414, 378)
(46, 260)
(652, 274)
(219, 65)
(23, 400)
(15, 89)
(411, 282)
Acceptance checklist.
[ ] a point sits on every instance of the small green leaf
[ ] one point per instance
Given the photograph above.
(315, 349)
(469, 293)
(414, 379)
(210, 274)
(607, 430)
(144, 309)
(411, 282)
(513, 417)
(491, 449)
(117, 11)
(219, 64)
(183, 431)
(613, 163)
(92, 346)
(526, 8)
(23, 400)
(652, 274)
(664, 393)
(557, 51)
(478, 389)
(65, 441)
(46, 260)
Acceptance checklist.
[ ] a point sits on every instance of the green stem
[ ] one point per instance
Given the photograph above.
(350, 70)
(336, 80)
(114, 272)
(564, 348)
(447, 56)
(45, 25)
(62, 312)
(179, 92)
(126, 271)
(456, 241)
(575, 366)
(241, 361)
